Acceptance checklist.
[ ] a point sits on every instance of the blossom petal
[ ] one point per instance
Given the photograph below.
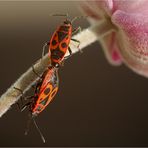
(129, 43)
(133, 39)
(133, 32)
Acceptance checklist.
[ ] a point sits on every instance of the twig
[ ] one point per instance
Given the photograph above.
(86, 37)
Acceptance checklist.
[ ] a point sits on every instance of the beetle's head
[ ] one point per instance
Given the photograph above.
(67, 22)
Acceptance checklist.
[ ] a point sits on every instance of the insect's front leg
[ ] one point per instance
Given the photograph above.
(44, 47)
(78, 29)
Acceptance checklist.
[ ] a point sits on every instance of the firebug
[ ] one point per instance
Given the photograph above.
(60, 40)
(45, 90)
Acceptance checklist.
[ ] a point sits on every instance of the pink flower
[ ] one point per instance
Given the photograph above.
(128, 42)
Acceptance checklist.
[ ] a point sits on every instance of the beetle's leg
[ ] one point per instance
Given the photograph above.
(78, 29)
(18, 105)
(44, 47)
(62, 63)
(70, 53)
(19, 90)
(33, 69)
(21, 98)
(25, 106)
(34, 85)
(75, 40)
(50, 67)
(29, 97)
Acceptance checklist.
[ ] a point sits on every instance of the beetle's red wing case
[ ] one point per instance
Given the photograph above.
(59, 43)
(48, 90)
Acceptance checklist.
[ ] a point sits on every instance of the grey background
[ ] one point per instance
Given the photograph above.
(97, 104)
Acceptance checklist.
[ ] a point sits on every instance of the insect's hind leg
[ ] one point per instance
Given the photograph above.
(70, 54)
(27, 104)
(75, 40)
(19, 90)
(70, 51)
(21, 98)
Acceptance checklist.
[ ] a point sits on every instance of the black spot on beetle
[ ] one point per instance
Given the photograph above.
(43, 102)
(64, 45)
(57, 54)
(46, 91)
(61, 36)
(54, 42)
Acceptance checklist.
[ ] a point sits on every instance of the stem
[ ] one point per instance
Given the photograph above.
(86, 37)
(103, 28)
(92, 34)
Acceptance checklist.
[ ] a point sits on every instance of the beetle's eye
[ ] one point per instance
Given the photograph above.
(65, 22)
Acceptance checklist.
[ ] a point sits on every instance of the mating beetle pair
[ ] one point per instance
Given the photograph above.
(58, 46)
(47, 85)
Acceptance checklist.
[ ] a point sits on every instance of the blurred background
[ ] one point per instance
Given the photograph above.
(97, 104)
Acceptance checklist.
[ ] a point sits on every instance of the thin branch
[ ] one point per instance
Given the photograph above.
(11, 96)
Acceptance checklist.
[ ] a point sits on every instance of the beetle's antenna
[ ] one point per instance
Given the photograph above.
(31, 117)
(66, 15)
(77, 17)
(28, 124)
(42, 137)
